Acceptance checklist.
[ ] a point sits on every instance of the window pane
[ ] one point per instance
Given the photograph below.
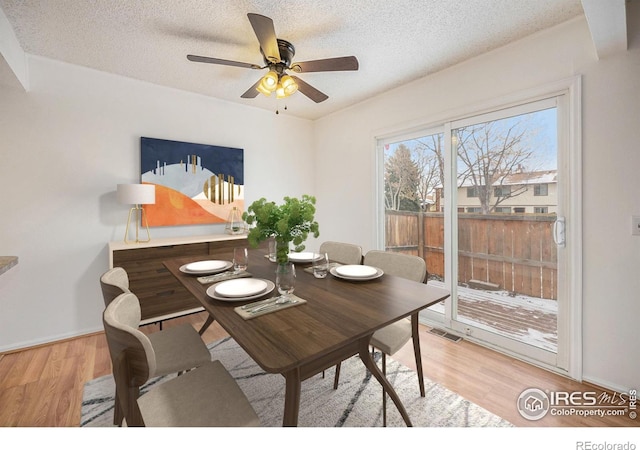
(413, 174)
(540, 190)
(505, 257)
(413, 195)
(502, 191)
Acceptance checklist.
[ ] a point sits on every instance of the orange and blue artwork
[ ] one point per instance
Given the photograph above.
(195, 183)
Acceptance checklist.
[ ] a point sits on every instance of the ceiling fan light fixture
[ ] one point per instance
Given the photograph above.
(269, 83)
(289, 86)
(260, 88)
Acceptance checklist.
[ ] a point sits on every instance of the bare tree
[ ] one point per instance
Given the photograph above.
(489, 153)
(429, 159)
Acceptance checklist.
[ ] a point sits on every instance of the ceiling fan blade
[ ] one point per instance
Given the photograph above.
(327, 65)
(266, 34)
(224, 62)
(252, 92)
(310, 91)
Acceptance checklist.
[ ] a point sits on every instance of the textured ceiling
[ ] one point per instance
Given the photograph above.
(395, 41)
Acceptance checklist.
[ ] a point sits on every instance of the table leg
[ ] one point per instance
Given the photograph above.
(292, 398)
(370, 364)
(416, 351)
(206, 324)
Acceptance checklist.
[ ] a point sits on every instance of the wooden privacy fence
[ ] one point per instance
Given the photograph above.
(512, 252)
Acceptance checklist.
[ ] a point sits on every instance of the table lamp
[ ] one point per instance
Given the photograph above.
(137, 194)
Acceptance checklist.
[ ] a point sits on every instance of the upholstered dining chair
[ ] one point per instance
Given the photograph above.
(341, 252)
(393, 337)
(113, 283)
(177, 349)
(205, 396)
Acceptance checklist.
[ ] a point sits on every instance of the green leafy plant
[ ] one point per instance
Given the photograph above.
(290, 222)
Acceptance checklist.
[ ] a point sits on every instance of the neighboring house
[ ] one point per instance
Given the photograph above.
(517, 193)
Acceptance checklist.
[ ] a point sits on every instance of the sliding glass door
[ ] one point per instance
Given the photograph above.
(484, 200)
(506, 203)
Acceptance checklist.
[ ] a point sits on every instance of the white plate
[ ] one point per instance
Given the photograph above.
(303, 256)
(240, 287)
(373, 275)
(356, 271)
(204, 267)
(211, 292)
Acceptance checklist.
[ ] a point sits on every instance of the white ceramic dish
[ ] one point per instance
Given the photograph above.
(360, 275)
(240, 287)
(356, 271)
(205, 267)
(211, 291)
(303, 257)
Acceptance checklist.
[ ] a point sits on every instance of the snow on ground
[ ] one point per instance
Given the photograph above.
(535, 309)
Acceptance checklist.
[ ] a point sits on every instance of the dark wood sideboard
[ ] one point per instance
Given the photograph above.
(161, 296)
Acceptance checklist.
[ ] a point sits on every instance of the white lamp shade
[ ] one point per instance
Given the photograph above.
(136, 194)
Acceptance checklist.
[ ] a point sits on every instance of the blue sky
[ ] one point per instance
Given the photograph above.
(544, 141)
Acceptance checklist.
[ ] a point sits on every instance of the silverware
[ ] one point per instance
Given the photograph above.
(275, 305)
(218, 277)
(259, 303)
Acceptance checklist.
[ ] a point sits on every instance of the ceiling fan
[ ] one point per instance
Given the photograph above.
(278, 56)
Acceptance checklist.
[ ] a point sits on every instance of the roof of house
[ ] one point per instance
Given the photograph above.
(520, 178)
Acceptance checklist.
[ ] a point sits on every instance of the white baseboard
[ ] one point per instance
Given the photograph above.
(47, 340)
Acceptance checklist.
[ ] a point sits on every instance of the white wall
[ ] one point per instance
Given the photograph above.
(65, 145)
(345, 163)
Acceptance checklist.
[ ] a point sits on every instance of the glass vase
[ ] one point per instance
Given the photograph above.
(286, 278)
(235, 224)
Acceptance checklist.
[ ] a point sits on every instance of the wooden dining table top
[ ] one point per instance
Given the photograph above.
(337, 313)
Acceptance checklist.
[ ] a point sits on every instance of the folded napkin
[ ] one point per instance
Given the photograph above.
(223, 277)
(331, 265)
(270, 306)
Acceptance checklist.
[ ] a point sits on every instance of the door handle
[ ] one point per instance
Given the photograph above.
(559, 232)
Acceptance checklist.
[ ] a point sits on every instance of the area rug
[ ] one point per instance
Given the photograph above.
(356, 403)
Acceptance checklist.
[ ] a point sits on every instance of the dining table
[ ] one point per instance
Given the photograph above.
(334, 321)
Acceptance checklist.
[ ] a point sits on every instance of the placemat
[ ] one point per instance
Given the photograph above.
(223, 277)
(246, 314)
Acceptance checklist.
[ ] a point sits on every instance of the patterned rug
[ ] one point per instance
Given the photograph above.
(356, 403)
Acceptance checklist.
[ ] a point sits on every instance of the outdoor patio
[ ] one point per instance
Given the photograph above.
(527, 319)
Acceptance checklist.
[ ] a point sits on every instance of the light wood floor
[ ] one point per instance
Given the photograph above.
(42, 387)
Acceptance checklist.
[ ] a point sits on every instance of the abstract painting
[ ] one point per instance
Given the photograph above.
(195, 183)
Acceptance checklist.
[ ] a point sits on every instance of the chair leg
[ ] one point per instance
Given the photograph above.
(337, 376)
(118, 414)
(207, 324)
(384, 393)
(133, 415)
